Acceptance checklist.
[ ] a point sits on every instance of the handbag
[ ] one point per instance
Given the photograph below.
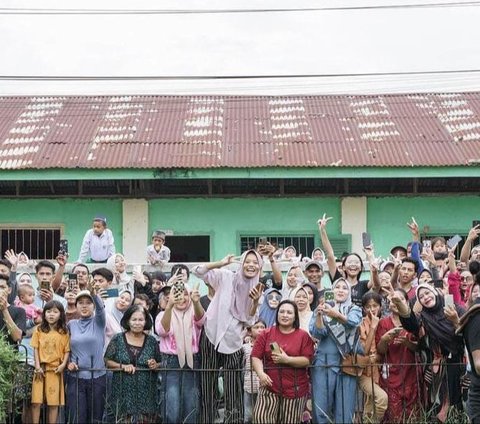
(354, 363)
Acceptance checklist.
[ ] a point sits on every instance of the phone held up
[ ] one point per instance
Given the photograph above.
(63, 247)
(275, 348)
(366, 240)
(72, 282)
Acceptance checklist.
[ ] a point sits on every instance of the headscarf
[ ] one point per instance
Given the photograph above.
(286, 289)
(267, 313)
(305, 315)
(124, 279)
(314, 302)
(437, 325)
(294, 252)
(344, 337)
(313, 253)
(182, 326)
(111, 306)
(241, 302)
(19, 277)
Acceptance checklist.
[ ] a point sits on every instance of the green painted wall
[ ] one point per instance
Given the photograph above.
(226, 219)
(76, 215)
(387, 217)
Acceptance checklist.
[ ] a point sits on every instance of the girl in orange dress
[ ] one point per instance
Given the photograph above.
(51, 344)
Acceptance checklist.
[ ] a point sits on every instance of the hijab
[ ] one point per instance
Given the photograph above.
(294, 253)
(286, 289)
(241, 302)
(437, 325)
(111, 306)
(124, 279)
(320, 250)
(267, 313)
(182, 327)
(305, 315)
(343, 337)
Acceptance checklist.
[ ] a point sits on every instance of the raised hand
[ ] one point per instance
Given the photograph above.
(414, 229)
(227, 260)
(256, 292)
(474, 233)
(195, 294)
(11, 257)
(322, 222)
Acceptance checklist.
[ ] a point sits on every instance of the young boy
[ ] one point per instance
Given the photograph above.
(98, 244)
(157, 252)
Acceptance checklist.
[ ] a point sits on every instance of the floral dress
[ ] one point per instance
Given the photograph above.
(133, 394)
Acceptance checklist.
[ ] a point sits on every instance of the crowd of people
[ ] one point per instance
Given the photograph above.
(107, 346)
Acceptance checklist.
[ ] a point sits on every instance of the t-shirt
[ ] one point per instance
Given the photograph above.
(18, 317)
(358, 290)
(287, 381)
(471, 334)
(51, 346)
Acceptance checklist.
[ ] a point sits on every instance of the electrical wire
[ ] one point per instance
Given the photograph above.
(54, 11)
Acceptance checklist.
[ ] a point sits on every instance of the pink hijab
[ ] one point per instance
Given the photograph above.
(182, 326)
(241, 303)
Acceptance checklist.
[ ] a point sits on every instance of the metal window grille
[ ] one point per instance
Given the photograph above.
(37, 243)
(304, 244)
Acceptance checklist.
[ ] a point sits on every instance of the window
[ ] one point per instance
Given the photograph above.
(189, 248)
(37, 243)
(304, 244)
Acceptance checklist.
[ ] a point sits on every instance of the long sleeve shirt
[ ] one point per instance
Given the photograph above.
(87, 338)
(98, 248)
(155, 257)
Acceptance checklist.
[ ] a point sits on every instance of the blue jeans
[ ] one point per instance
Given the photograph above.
(180, 400)
(85, 399)
(333, 393)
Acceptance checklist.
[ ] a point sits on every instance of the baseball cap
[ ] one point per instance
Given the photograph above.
(310, 263)
(83, 293)
(101, 218)
(159, 234)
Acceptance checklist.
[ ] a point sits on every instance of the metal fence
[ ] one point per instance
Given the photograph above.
(104, 404)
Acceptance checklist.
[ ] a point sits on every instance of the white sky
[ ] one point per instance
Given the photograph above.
(313, 42)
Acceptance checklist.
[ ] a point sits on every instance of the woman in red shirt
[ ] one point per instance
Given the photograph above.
(280, 357)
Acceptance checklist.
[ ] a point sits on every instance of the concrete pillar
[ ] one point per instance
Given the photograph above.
(354, 220)
(135, 230)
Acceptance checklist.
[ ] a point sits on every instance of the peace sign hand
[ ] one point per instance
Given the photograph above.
(322, 222)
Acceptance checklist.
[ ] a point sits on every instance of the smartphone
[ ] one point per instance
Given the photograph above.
(178, 290)
(328, 295)
(427, 244)
(366, 240)
(72, 281)
(438, 284)
(63, 247)
(45, 285)
(452, 242)
(398, 329)
(274, 347)
(449, 300)
(262, 240)
(477, 240)
(112, 292)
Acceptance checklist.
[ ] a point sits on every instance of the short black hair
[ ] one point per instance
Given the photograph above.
(130, 311)
(411, 261)
(104, 272)
(44, 264)
(6, 278)
(371, 295)
(80, 265)
(180, 267)
(344, 260)
(296, 321)
(158, 275)
(6, 262)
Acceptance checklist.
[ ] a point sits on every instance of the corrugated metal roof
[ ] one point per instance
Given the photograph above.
(237, 132)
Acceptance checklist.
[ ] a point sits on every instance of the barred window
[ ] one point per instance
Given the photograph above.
(304, 244)
(37, 242)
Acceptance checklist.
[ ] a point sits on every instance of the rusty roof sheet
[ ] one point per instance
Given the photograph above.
(239, 131)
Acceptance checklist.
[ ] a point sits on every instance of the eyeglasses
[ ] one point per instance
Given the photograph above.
(466, 277)
(274, 297)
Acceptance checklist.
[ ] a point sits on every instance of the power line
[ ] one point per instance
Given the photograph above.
(38, 11)
(223, 77)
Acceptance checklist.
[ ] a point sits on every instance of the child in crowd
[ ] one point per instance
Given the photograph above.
(98, 244)
(157, 253)
(26, 299)
(51, 344)
(71, 312)
(251, 381)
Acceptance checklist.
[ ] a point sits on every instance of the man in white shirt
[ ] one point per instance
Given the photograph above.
(98, 244)
(157, 253)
